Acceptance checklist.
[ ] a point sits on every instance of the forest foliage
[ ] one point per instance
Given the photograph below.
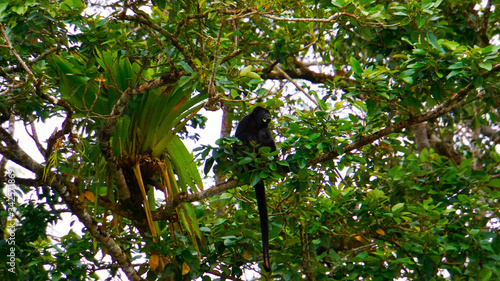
(385, 113)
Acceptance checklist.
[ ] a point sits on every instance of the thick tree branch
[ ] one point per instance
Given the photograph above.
(456, 101)
(300, 71)
(113, 207)
(180, 198)
(420, 135)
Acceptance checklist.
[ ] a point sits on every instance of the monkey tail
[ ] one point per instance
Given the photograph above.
(260, 193)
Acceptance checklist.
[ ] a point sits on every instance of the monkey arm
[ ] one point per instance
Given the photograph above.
(265, 139)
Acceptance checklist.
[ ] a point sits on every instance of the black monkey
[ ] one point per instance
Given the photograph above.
(253, 131)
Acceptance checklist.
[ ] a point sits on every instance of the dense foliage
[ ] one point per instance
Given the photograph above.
(385, 113)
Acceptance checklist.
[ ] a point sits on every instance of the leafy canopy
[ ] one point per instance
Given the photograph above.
(385, 113)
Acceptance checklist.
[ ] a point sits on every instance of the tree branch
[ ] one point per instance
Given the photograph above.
(303, 72)
(212, 94)
(456, 101)
(67, 124)
(169, 208)
(14, 52)
(231, 55)
(483, 28)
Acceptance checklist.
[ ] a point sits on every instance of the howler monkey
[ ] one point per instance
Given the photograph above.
(253, 131)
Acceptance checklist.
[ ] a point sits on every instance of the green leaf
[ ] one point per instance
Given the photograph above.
(457, 65)
(255, 178)
(494, 183)
(433, 40)
(478, 81)
(302, 163)
(187, 217)
(407, 73)
(372, 108)
(453, 73)
(485, 274)
(245, 70)
(466, 164)
(253, 75)
(397, 207)
(416, 65)
(208, 165)
(450, 44)
(186, 67)
(356, 67)
(340, 3)
(159, 3)
(245, 160)
(486, 65)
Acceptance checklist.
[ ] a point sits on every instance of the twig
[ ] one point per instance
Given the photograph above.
(19, 68)
(45, 54)
(440, 110)
(211, 95)
(356, 251)
(296, 85)
(67, 124)
(231, 55)
(269, 93)
(34, 137)
(331, 19)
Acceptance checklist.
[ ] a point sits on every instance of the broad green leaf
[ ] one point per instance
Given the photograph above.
(255, 178)
(485, 274)
(486, 65)
(245, 160)
(246, 70)
(356, 67)
(397, 207)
